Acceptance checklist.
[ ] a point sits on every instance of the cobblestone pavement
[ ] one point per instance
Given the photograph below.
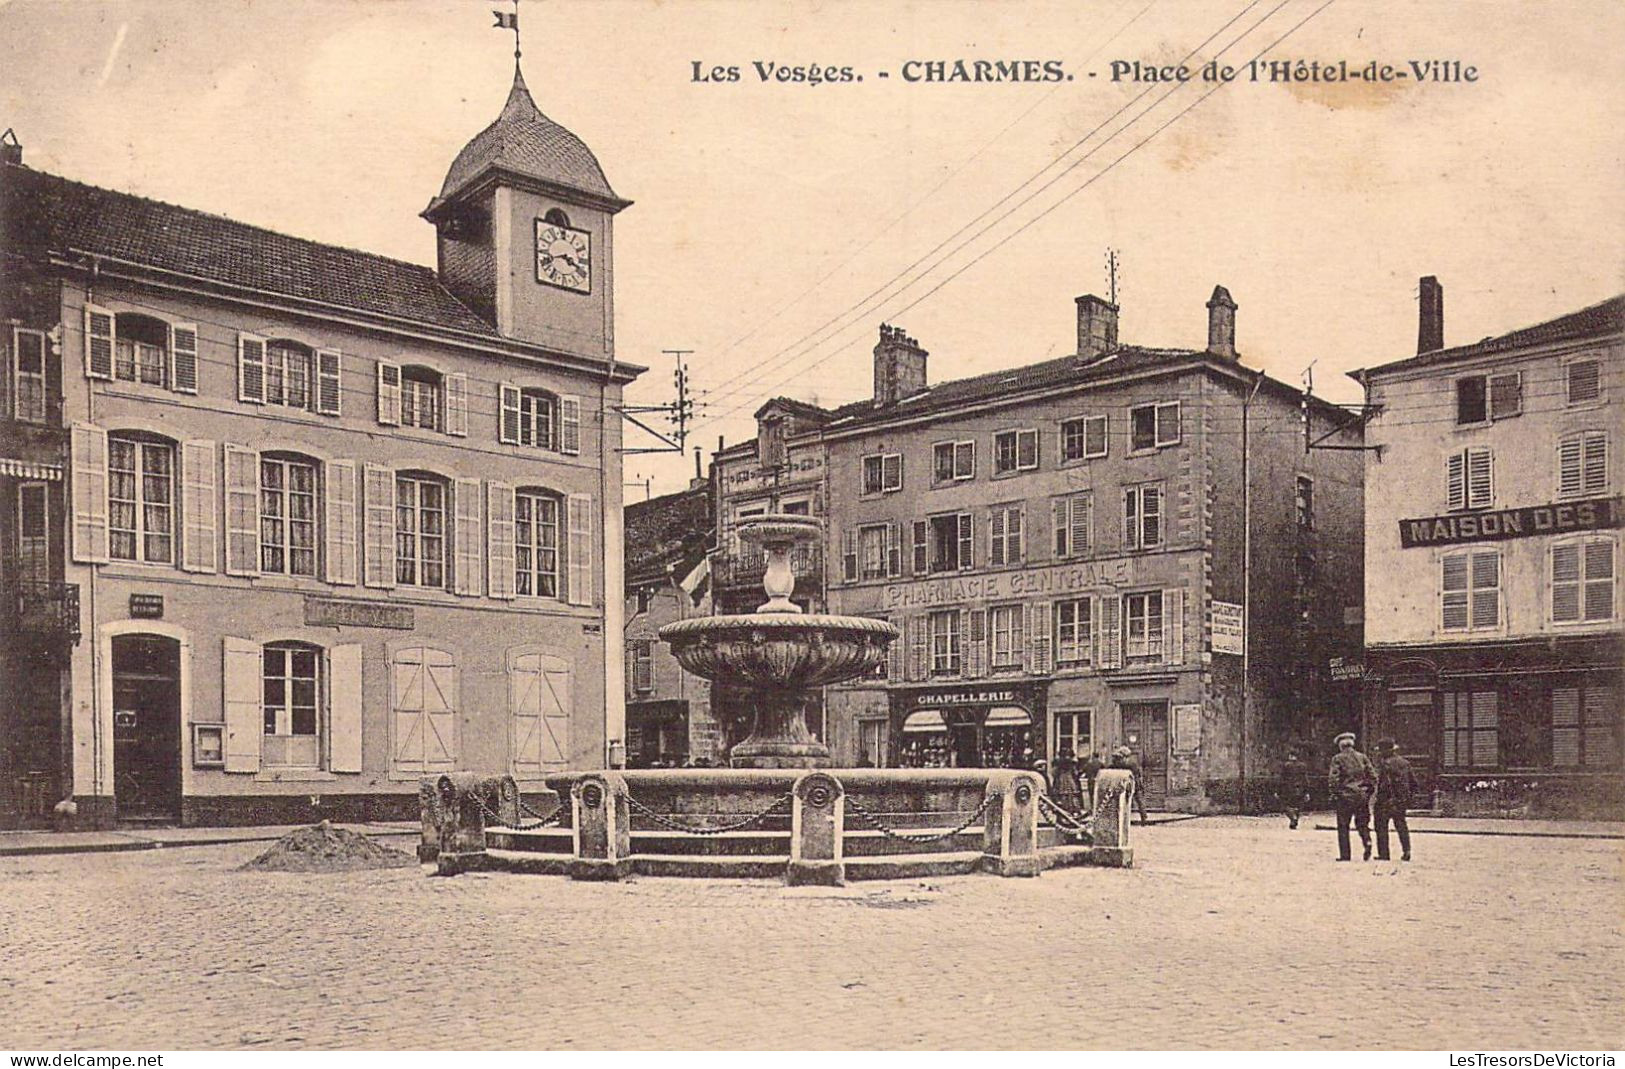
(1230, 932)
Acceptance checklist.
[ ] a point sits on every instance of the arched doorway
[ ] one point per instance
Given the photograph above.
(147, 726)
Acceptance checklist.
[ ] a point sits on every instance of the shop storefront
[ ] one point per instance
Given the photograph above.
(656, 733)
(981, 726)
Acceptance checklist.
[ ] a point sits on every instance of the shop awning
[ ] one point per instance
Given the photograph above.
(925, 720)
(27, 469)
(1007, 716)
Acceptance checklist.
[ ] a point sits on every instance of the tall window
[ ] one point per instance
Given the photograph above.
(643, 666)
(951, 540)
(1470, 479)
(1471, 734)
(953, 462)
(1583, 581)
(1142, 516)
(538, 419)
(420, 531)
(28, 364)
(1083, 438)
(536, 544)
(420, 398)
(141, 499)
(1142, 627)
(287, 374)
(882, 473)
(1306, 503)
(33, 533)
(287, 515)
(1004, 535)
(1154, 426)
(872, 551)
(943, 631)
(1585, 725)
(292, 700)
(1015, 451)
(1074, 731)
(1006, 628)
(1074, 632)
(1072, 525)
(1471, 587)
(1582, 464)
(142, 351)
(871, 744)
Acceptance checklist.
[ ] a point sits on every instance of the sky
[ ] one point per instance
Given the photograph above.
(776, 225)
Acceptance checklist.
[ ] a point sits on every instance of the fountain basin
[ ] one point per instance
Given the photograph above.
(778, 652)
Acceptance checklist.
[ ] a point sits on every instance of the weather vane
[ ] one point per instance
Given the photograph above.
(507, 21)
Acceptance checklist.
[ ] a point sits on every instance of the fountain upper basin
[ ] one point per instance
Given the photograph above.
(775, 650)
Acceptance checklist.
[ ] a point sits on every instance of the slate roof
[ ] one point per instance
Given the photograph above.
(525, 142)
(45, 211)
(667, 532)
(1599, 320)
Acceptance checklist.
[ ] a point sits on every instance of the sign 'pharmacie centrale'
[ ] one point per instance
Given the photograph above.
(1063, 579)
(1593, 514)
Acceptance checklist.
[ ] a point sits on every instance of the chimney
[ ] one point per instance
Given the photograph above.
(11, 150)
(1097, 327)
(1221, 323)
(1430, 323)
(899, 366)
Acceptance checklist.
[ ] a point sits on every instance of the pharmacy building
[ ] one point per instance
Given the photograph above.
(1065, 547)
(285, 527)
(1494, 634)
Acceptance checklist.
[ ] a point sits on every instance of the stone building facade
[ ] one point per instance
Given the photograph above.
(334, 521)
(1492, 539)
(1062, 546)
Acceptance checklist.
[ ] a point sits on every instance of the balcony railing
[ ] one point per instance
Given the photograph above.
(746, 565)
(50, 609)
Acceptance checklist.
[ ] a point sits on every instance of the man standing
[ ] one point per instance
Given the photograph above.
(1393, 798)
(1091, 768)
(1294, 786)
(1351, 780)
(1123, 757)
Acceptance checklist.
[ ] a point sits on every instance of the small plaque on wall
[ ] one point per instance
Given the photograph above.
(338, 612)
(1187, 728)
(146, 606)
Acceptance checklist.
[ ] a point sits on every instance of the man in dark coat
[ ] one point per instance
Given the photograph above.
(1394, 784)
(1351, 780)
(1123, 757)
(1091, 768)
(1294, 786)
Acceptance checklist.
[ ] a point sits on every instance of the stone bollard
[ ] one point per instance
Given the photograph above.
(499, 793)
(1114, 796)
(430, 811)
(817, 822)
(464, 799)
(1010, 828)
(602, 828)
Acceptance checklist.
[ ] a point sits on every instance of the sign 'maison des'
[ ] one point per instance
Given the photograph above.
(1593, 514)
(1081, 578)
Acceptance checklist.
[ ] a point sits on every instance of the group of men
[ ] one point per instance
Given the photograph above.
(1359, 790)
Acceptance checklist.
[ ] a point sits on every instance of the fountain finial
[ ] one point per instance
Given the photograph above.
(778, 533)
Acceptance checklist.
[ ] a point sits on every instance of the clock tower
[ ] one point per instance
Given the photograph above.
(525, 231)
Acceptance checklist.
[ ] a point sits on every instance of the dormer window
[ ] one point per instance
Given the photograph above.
(420, 398)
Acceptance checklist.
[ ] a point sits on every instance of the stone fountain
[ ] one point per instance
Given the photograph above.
(779, 652)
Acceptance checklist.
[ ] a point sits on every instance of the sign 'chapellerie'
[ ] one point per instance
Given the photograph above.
(1593, 514)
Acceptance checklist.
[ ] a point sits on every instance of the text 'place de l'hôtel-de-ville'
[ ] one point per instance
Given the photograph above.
(285, 527)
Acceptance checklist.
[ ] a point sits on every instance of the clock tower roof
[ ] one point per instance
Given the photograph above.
(526, 145)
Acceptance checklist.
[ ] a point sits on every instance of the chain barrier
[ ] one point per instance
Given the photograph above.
(1061, 817)
(557, 817)
(493, 820)
(873, 820)
(779, 806)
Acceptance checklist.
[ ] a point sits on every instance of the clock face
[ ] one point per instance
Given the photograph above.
(563, 256)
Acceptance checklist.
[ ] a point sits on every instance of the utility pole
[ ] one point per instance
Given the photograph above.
(1111, 274)
(678, 413)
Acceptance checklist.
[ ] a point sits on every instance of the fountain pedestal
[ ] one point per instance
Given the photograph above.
(779, 737)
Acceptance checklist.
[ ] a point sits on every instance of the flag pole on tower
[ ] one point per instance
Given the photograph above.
(507, 21)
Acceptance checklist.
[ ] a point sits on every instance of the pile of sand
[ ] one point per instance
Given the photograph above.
(324, 848)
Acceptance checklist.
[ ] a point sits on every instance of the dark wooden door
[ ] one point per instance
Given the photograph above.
(1145, 731)
(147, 727)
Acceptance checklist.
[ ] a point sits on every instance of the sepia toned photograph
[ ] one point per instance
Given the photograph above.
(812, 525)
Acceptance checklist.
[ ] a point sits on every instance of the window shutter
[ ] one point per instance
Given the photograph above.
(457, 404)
(895, 658)
(1566, 582)
(964, 643)
(499, 549)
(198, 506)
(100, 335)
(1454, 588)
(89, 493)
(329, 383)
(1061, 517)
(894, 549)
(344, 707)
(967, 542)
(251, 368)
(1486, 589)
(1596, 462)
(340, 517)
(242, 511)
(1040, 643)
(976, 644)
(1094, 436)
(580, 524)
(569, 424)
(1570, 466)
(1082, 506)
(1111, 632)
(921, 550)
(378, 508)
(1456, 481)
(1480, 478)
(1599, 580)
(244, 720)
(916, 648)
(183, 357)
(891, 472)
(1173, 626)
(1584, 381)
(1018, 533)
(389, 393)
(849, 555)
(508, 414)
(1131, 518)
(995, 536)
(466, 538)
(1506, 395)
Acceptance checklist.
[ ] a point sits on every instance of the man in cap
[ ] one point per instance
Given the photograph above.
(1351, 780)
(1123, 757)
(1393, 798)
(1294, 786)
